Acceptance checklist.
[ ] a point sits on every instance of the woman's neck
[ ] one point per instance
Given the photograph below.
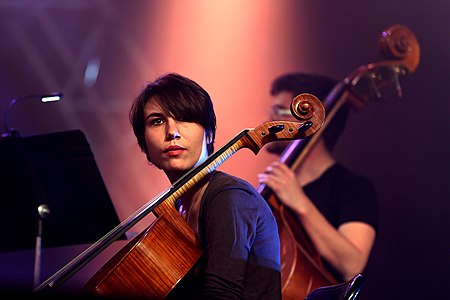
(190, 202)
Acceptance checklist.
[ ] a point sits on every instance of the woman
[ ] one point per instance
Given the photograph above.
(174, 123)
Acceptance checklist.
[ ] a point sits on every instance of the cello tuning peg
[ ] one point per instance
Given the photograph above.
(305, 126)
(276, 128)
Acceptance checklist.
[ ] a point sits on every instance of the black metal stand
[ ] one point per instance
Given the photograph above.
(57, 170)
(43, 212)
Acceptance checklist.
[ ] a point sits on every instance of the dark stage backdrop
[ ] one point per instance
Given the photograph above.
(402, 144)
(99, 53)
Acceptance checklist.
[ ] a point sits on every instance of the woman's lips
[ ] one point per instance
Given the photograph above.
(174, 150)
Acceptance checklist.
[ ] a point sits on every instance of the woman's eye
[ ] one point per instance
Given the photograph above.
(156, 121)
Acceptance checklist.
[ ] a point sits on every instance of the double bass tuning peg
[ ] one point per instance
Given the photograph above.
(398, 87)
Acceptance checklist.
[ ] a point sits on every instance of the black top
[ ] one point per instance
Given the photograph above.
(343, 196)
(239, 235)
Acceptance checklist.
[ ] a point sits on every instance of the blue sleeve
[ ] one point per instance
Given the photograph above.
(229, 230)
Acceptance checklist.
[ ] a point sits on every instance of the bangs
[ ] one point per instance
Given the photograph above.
(181, 106)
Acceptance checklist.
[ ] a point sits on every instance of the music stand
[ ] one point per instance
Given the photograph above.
(58, 170)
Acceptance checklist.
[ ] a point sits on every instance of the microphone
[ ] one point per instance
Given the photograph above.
(43, 97)
(43, 211)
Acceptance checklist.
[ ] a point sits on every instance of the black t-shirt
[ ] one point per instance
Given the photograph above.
(342, 196)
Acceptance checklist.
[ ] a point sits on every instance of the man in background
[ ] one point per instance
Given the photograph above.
(336, 207)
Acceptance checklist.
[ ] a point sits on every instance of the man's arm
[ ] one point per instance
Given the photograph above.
(346, 248)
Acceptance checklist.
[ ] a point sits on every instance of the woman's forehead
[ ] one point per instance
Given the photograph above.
(152, 104)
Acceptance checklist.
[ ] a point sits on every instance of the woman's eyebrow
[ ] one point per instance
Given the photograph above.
(154, 114)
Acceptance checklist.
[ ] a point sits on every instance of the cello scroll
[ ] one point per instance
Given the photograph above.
(305, 107)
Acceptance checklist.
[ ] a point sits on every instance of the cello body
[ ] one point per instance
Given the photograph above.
(301, 267)
(150, 266)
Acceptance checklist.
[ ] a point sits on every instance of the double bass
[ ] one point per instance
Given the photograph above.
(301, 267)
(156, 261)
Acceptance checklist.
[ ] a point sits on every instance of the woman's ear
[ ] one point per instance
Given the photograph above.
(209, 139)
(209, 143)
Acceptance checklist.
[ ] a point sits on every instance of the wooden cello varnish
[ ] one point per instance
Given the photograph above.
(153, 263)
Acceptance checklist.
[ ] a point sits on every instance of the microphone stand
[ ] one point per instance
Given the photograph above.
(43, 209)
(43, 212)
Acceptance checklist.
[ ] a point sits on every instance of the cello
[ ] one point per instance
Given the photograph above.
(301, 267)
(153, 263)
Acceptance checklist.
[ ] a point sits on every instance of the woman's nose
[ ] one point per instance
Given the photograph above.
(172, 130)
(173, 135)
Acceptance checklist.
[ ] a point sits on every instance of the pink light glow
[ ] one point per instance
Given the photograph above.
(233, 49)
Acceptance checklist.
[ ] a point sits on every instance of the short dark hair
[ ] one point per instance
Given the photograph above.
(319, 86)
(179, 97)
